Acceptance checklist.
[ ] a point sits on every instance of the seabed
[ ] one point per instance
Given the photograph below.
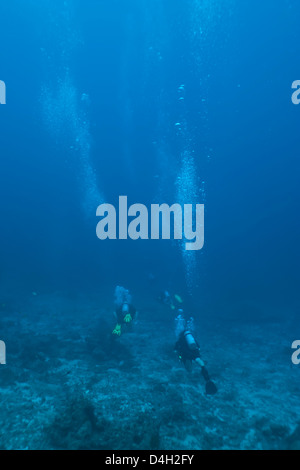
(68, 385)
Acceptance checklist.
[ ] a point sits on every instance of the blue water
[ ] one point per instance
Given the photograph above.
(166, 102)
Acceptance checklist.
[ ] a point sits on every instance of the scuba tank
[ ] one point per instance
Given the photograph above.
(190, 340)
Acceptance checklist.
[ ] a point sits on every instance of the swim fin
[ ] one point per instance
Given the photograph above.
(211, 388)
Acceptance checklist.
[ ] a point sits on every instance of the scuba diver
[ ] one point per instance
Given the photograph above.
(174, 302)
(188, 350)
(125, 312)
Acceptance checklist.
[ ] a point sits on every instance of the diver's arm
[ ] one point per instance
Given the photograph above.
(177, 346)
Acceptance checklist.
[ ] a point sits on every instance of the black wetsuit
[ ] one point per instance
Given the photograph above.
(186, 353)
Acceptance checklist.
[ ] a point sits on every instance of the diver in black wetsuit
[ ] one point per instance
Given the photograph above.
(188, 350)
(172, 301)
(125, 315)
(125, 312)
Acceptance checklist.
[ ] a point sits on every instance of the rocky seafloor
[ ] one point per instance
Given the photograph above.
(68, 385)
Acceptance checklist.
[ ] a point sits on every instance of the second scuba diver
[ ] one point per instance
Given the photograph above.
(172, 301)
(188, 350)
(125, 312)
